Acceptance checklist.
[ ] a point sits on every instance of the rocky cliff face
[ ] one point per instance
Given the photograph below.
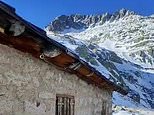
(77, 21)
(129, 40)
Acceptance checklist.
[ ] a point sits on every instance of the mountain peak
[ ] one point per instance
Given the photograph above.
(78, 21)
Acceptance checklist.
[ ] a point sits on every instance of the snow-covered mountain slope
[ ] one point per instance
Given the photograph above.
(130, 39)
(121, 110)
(131, 36)
(89, 54)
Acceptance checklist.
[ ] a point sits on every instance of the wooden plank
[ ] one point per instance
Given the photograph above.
(24, 44)
(93, 79)
(62, 60)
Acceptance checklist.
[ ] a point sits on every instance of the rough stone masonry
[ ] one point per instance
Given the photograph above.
(28, 86)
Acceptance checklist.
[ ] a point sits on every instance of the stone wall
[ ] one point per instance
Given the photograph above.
(26, 81)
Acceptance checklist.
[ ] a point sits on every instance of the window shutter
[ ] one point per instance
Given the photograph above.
(105, 109)
(64, 105)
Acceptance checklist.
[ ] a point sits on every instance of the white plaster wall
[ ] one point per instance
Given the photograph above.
(25, 81)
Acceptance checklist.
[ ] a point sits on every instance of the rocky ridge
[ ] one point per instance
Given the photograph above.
(128, 38)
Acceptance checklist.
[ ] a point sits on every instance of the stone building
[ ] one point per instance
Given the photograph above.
(38, 76)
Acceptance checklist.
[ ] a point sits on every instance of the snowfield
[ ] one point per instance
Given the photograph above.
(117, 110)
(120, 45)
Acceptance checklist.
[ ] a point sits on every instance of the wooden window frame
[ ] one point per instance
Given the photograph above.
(65, 104)
(105, 107)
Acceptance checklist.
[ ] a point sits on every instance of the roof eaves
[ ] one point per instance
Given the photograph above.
(7, 7)
(11, 11)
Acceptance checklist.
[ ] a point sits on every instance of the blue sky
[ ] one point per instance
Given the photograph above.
(41, 12)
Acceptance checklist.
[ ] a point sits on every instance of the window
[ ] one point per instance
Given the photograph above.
(65, 105)
(105, 109)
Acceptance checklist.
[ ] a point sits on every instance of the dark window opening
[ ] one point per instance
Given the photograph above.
(105, 109)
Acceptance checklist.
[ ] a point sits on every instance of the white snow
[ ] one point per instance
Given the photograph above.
(134, 113)
(72, 30)
(121, 110)
(122, 36)
(72, 47)
(127, 37)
